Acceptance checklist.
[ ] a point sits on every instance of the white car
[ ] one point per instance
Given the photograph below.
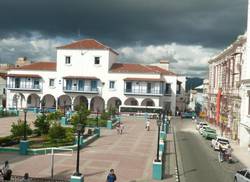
(202, 128)
(224, 142)
(242, 176)
(200, 124)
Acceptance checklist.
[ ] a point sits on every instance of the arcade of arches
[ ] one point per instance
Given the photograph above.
(95, 104)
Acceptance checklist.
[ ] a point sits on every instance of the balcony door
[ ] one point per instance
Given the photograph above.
(168, 89)
(128, 86)
(149, 88)
(17, 82)
(93, 85)
(68, 84)
(81, 85)
(36, 84)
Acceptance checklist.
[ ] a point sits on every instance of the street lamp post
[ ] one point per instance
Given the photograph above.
(64, 105)
(43, 105)
(97, 112)
(17, 98)
(25, 125)
(158, 138)
(24, 143)
(163, 120)
(79, 131)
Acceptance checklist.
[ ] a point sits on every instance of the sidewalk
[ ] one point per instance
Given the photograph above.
(170, 160)
(241, 153)
(170, 164)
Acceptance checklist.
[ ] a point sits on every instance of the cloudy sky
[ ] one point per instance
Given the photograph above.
(186, 32)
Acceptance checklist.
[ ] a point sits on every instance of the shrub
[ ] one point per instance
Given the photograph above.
(105, 115)
(42, 124)
(91, 122)
(54, 115)
(69, 135)
(57, 133)
(17, 130)
(8, 141)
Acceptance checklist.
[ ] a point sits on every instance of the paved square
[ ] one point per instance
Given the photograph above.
(130, 154)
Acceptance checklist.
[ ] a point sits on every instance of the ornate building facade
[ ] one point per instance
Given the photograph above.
(223, 97)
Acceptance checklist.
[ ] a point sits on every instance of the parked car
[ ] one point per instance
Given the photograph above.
(200, 124)
(220, 140)
(202, 128)
(188, 114)
(209, 133)
(242, 176)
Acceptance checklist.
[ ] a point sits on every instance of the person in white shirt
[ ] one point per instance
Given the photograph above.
(148, 125)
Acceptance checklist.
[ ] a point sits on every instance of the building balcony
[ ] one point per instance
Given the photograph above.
(143, 92)
(81, 90)
(25, 87)
(168, 93)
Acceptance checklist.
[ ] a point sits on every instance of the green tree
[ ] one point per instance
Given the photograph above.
(17, 130)
(80, 116)
(42, 124)
(112, 111)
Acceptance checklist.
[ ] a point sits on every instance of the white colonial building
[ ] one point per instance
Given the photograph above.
(87, 71)
(223, 97)
(245, 93)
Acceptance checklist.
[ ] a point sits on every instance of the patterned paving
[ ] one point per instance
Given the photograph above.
(130, 154)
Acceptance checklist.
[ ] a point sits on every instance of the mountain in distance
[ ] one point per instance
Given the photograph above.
(191, 83)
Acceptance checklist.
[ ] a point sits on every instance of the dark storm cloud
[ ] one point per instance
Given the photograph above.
(119, 23)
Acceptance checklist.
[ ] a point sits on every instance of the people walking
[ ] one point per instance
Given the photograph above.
(147, 125)
(111, 176)
(121, 128)
(26, 178)
(118, 128)
(220, 153)
(6, 171)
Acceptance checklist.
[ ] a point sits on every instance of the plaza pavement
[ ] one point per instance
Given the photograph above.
(5, 123)
(130, 155)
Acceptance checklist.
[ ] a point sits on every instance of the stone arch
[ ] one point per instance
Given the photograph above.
(147, 102)
(64, 103)
(97, 104)
(18, 101)
(33, 101)
(80, 99)
(48, 101)
(131, 102)
(114, 102)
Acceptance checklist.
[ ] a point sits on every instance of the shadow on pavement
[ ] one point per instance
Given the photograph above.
(92, 174)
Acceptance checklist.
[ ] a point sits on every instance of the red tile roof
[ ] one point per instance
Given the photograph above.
(144, 79)
(82, 77)
(3, 75)
(86, 44)
(138, 68)
(23, 76)
(41, 66)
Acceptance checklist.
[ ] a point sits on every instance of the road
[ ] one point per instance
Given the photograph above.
(196, 157)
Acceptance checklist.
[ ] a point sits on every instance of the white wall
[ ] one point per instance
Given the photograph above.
(82, 64)
(244, 129)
